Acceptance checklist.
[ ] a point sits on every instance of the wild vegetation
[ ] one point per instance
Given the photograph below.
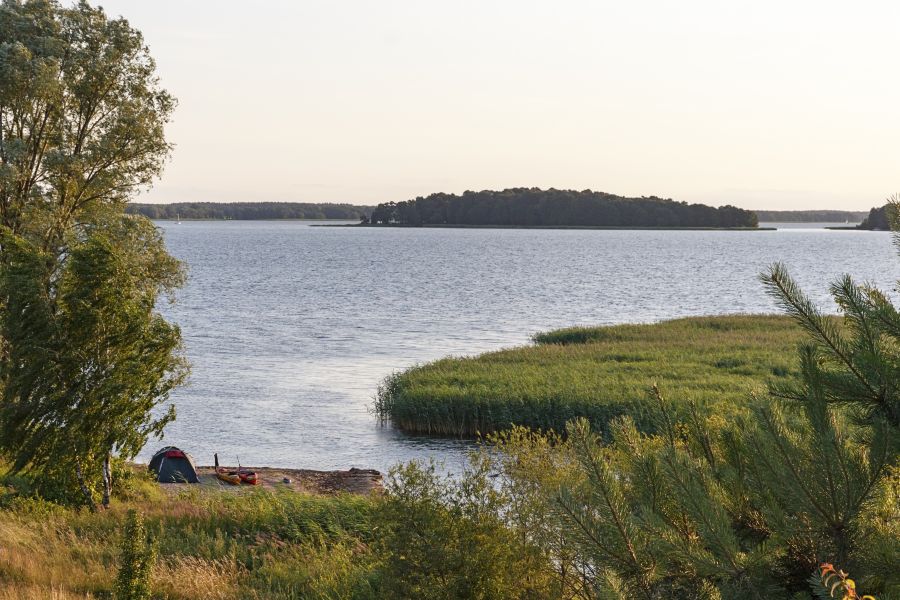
(594, 372)
(249, 210)
(533, 207)
(761, 504)
(256, 545)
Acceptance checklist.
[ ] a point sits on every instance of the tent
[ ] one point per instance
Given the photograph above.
(171, 465)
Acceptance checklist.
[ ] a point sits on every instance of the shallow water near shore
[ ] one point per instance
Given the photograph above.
(290, 328)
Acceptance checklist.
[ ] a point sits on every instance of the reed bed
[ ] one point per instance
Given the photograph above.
(593, 372)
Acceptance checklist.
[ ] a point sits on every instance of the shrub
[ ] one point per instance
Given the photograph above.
(442, 538)
(136, 563)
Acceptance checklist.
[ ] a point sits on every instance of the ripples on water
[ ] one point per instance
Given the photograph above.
(290, 327)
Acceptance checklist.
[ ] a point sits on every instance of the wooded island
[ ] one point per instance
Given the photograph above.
(534, 207)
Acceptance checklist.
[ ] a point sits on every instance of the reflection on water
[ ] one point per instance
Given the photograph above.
(290, 328)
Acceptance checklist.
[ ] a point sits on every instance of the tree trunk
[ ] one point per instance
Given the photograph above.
(84, 488)
(107, 481)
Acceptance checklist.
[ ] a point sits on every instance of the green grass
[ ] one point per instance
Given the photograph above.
(594, 372)
(222, 546)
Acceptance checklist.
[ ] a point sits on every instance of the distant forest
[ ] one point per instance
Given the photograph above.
(810, 216)
(249, 210)
(514, 207)
(877, 219)
(533, 207)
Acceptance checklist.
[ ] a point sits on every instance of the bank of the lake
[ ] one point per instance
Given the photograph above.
(594, 372)
(573, 227)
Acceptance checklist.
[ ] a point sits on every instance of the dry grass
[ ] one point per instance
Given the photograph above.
(190, 578)
(41, 554)
(217, 547)
(10, 591)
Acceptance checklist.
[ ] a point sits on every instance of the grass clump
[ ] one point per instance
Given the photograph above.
(598, 373)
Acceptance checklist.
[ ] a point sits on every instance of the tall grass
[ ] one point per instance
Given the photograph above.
(222, 546)
(593, 372)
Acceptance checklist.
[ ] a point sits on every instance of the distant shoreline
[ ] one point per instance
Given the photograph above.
(353, 223)
(609, 227)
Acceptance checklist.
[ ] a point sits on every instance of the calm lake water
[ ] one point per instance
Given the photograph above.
(291, 327)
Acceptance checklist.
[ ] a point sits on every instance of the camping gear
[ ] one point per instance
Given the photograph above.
(225, 475)
(248, 477)
(173, 465)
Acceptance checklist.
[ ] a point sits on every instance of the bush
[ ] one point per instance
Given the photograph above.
(442, 538)
(136, 563)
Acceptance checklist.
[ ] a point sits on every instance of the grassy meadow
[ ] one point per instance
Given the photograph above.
(595, 372)
(221, 546)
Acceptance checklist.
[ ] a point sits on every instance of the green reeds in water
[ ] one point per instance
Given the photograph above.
(593, 372)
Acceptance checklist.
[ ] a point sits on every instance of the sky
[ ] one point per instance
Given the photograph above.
(762, 104)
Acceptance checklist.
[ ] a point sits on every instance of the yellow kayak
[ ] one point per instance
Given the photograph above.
(232, 478)
(226, 476)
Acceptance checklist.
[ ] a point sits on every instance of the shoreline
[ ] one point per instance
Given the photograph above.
(352, 481)
(576, 227)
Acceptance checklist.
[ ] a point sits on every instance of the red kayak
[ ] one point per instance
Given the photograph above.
(236, 477)
(248, 477)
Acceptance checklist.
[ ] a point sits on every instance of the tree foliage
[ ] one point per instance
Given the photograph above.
(557, 208)
(443, 539)
(89, 357)
(82, 117)
(84, 356)
(879, 217)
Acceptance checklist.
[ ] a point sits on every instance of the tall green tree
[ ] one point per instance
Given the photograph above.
(90, 357)
(82, 117)
(85, 358)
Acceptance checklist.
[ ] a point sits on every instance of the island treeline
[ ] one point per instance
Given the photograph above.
(810, 216)
(249, 211)
(878, 218)
(534, 207)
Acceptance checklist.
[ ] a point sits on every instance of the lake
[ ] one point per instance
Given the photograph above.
(291, 327)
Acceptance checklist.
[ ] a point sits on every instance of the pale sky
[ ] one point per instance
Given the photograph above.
(763, 104)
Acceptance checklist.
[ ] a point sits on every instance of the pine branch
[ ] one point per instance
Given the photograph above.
(782, 287)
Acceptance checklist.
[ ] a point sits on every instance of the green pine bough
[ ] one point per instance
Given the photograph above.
(598, 373)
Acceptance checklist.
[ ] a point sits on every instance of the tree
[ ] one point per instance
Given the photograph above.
(878, 218)
(90, 357)
(81, 117)
(557, 208)
(84, 356)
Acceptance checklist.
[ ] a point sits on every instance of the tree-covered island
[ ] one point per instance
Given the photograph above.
(534, 207)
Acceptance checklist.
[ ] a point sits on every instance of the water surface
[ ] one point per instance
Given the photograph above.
(291, 327)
